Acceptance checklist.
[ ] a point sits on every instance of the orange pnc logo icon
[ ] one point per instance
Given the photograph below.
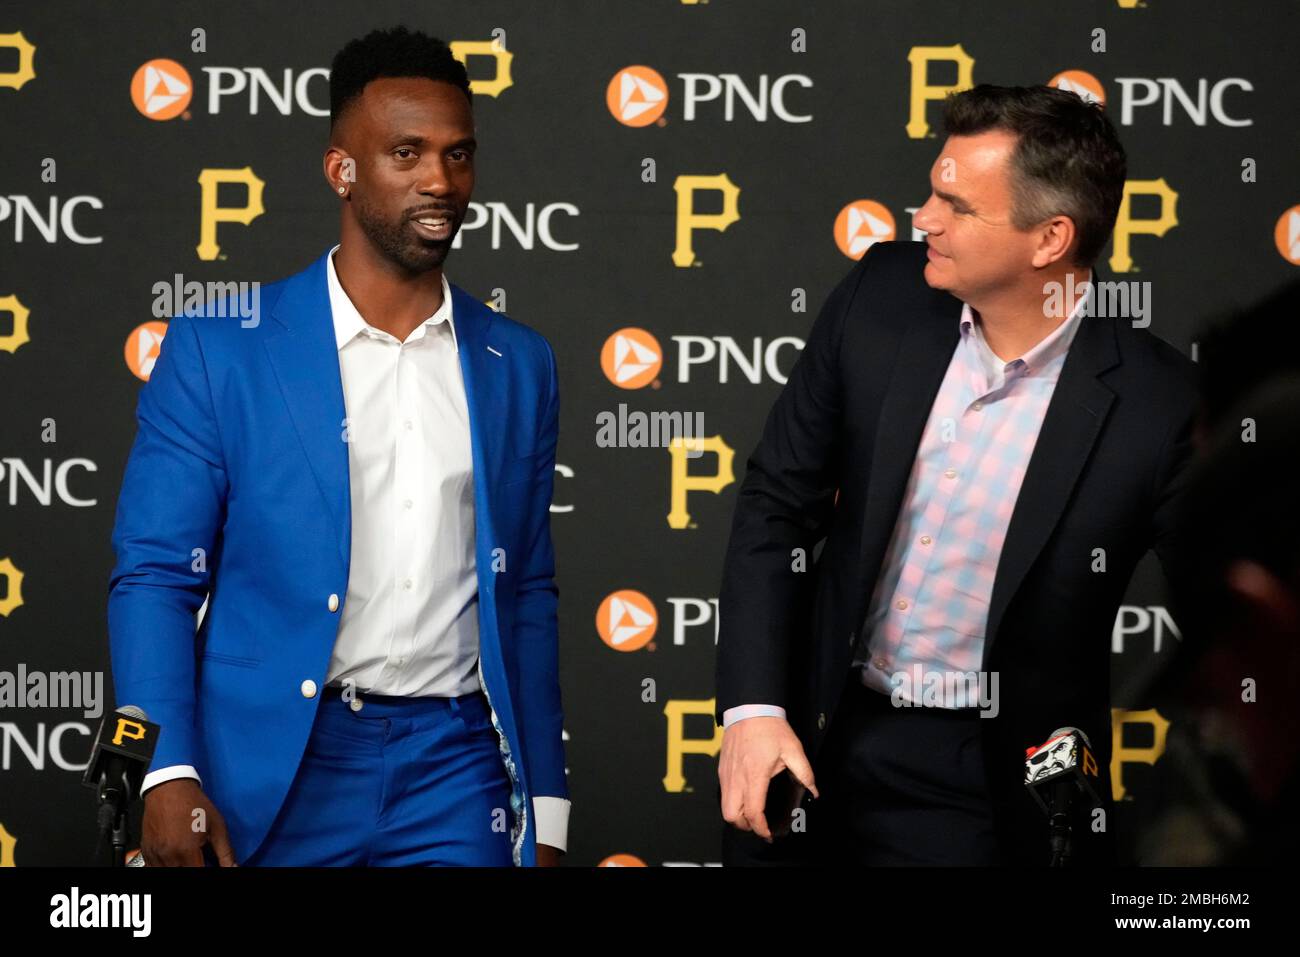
(142, 348)
(631, 358)
(637, 96)
(622, 860)
(161, 89)
(1083, 84)
(860, 225)
(1287, 235)
(626, 620)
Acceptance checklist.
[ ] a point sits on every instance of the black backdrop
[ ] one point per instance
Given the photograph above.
(100, 201)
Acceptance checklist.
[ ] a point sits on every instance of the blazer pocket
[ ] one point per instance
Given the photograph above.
(235, 660)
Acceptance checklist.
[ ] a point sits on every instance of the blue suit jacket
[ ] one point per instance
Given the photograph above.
(238, 483)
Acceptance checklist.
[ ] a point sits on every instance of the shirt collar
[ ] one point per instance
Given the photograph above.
(348, 322)
(1055, 344)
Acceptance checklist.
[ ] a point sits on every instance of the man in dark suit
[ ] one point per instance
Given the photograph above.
(982, 457)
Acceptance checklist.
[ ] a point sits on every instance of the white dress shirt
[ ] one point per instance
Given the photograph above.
(409, 622)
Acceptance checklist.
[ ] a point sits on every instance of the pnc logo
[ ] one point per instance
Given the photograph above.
(161, 89)
(1081, 83)
(1135, 620)
(637, 96)
(626, 620)
(622, 860)
(1201, 106)
(1287, 235)
(58, 220)
(142, 347)
(631, 358)
(53, 480)
(860, 225)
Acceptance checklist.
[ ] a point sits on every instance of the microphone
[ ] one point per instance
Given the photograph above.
(119, 758)
(1057, 773)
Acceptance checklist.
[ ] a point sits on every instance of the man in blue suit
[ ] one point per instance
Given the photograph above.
(359, 485)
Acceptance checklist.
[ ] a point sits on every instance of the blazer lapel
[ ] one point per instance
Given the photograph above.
(486, 377)
(1074, 419)
(305, 358)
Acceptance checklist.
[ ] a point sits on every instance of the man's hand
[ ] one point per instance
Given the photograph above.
(548, 856)
(170, 838)
(754, 750)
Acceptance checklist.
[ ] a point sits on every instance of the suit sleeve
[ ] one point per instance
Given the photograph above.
(784, 503)
(171, 504)
(537, 634)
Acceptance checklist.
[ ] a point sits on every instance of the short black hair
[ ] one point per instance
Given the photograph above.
(1068, 159)
(396, 52)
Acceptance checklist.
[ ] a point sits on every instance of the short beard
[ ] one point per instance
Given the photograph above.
(399, 245)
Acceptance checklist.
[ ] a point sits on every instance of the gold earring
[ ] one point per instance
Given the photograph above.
(342, 190)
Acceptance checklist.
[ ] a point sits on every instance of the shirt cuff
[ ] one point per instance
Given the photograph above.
(741, 712)
(162, 775)
(552, 816)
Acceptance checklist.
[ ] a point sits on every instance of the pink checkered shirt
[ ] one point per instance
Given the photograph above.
(931, 602)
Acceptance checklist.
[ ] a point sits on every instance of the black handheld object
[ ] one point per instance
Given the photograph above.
(784, 794)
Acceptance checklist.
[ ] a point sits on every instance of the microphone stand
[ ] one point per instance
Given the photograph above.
(113, 821)
(1059, 824)
(1061, 848)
